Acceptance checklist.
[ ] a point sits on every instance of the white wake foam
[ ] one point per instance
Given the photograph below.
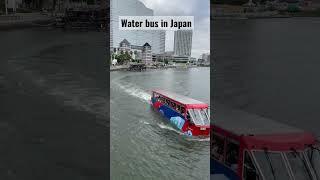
(198, 139)
(168, 127)
(134, 91)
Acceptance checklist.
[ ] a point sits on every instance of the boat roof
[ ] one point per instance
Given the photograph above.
(188, 102)
(257, 131)
(243, 123)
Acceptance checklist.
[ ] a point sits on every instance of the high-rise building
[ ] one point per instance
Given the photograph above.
(156, 39)
(182, 43)
(159, 42)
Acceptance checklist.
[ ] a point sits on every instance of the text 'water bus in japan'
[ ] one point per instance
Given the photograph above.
(249, 147)
(188, 115)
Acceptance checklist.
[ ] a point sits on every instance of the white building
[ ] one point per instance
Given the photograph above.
(183, 42)
(156, 39)
(142, 53)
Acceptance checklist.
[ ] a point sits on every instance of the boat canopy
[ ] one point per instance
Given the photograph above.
(188, 102)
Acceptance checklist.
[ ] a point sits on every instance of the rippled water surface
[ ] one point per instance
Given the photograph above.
(269, 67)
(143, 145)
(54, 105)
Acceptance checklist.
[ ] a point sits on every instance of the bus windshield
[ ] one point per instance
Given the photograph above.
(272, 165)
(313, 155)
(299, 165)
(199, 116)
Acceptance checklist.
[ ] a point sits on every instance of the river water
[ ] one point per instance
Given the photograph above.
(269, 67)
(143, 145)
(54, 105)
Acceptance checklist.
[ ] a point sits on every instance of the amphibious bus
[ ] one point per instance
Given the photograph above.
(188, 115)
(249, 147)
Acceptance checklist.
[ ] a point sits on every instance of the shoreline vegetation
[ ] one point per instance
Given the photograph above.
(226, 11)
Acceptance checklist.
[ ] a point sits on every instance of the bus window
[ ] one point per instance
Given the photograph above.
(232, 154)
(178, 108)
(182, 110)
(173, 105)
(217, 147)
(167, 102)
(249, 171)
(188, 116)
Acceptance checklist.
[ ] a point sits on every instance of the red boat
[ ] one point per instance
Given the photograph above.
(250, 147)
(188, 115)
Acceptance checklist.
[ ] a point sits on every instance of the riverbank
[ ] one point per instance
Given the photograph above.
(237, 12)
(25, 20)
(126, 67)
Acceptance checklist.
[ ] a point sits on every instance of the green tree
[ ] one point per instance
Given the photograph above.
(123, 58)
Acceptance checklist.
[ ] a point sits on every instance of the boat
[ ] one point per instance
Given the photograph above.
(137, 67)
(188, 115)
(249, 147)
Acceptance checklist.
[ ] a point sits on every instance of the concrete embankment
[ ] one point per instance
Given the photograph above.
(25, 20)
(118, 68)
(125, 67)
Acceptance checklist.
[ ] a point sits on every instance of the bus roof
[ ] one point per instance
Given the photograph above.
(242, 123)
(258, 132)
(188, 102)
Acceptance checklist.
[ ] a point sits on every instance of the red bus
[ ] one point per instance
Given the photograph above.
(249, 147)
(190, 116)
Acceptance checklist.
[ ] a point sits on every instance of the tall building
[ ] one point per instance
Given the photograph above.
(159, 42)
(156, 39)
(182, 43)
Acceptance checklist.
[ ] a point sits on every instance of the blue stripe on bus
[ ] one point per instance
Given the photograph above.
(172, 116)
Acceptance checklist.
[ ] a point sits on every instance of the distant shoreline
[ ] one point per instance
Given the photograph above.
(224, 11)
(155, 68)
(24, 21)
